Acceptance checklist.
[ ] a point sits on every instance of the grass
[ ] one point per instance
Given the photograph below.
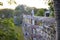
(20, 33)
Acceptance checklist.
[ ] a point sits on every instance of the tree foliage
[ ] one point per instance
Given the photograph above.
(11, 2)
(19, 11)
(20, 7)
(6, 12)
(40, 12)
(50, 3)
(23, 9)
(7, 30)
(1, 3)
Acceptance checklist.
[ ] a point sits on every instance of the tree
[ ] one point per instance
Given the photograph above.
(20, 7)
(23, 9)
(19, 11)
(50, 3)
(57, 14)
(7, 30)
(18, 19)
(1, 3)
(28, 10)
(7, 13)
(11, 2)
(35, 10)
(40, 12)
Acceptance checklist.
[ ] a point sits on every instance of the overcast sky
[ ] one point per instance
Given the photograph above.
(31, 3)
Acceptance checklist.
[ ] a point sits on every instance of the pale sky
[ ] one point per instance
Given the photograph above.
(31, 3)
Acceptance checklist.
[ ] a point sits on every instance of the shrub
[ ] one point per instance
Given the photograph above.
(7, 30)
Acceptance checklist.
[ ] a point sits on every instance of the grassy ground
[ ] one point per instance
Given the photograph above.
(20, 33)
